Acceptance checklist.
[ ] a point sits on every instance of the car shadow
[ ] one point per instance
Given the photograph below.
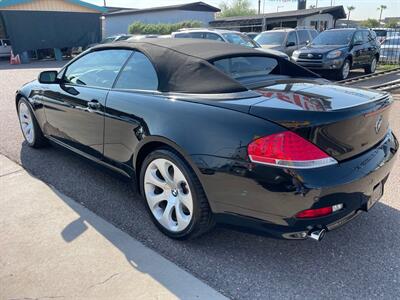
(359, 260)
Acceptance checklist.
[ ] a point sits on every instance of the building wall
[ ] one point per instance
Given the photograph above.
(317, 18)
(50, 5)
(119, 23)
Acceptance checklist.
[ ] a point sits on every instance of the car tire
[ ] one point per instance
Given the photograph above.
(372, 67)
(177, 203)
(344, 71)
(30, 128)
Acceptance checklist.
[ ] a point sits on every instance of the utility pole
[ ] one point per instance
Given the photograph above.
(105, 4)
(259, 6)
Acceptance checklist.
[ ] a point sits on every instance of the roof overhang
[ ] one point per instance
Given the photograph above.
(6, 3)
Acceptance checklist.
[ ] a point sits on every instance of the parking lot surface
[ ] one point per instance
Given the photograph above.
(358, 261)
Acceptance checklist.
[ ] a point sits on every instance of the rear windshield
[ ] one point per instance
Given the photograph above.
(270, 38)
(243, 68)
(340, 37)
(239, 39)
(380, 33)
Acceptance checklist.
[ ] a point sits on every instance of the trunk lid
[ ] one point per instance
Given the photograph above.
(342, 121)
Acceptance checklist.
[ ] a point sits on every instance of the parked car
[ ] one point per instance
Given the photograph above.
(390, 50)
(228, 36)
(251, 35)
(215, 132)
(286, 40)
(111, 39)
(143, 36)
(5, 48)
(340, 50)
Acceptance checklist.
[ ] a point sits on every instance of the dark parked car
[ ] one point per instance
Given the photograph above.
(218, 132)
(339, 51)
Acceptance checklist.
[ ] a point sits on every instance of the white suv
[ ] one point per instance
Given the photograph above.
(228, 36)
(5, 48)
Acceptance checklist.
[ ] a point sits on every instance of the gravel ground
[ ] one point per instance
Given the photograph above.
(358, 261)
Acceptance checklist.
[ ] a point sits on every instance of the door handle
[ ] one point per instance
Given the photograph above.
(94, 104)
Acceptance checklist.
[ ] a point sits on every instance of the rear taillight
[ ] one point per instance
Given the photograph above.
(287, 149)
(319, 212)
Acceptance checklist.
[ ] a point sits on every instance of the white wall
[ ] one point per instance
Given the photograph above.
(119, 23)
(322, 17)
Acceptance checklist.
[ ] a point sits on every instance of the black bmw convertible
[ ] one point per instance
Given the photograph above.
(213, 132)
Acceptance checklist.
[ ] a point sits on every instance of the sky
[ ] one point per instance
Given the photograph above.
(364, 8)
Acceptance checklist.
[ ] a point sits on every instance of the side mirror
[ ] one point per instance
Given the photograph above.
(48, 77)
(290, 44)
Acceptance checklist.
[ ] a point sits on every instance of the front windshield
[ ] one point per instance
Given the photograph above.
(270, 38)
(239, 39)
(340, 37)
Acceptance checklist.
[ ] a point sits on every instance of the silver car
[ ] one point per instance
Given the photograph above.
(228, 36)
(286, 40)
(5, 48)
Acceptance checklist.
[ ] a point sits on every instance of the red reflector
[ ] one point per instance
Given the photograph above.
(314, 213)
(289, 150)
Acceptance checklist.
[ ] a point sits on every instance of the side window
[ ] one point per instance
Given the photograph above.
(358, 38)
(138, 74)
(365, 35)
(292, 38)
(196, 35)
(213, 36)
(303, 36)
(96, 69)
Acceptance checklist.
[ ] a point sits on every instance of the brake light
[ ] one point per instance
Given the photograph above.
(319, 212)
(287, 149)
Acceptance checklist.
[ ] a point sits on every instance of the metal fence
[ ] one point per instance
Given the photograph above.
(390, 45)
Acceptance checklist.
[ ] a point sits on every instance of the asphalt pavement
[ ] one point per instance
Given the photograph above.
(358, 261)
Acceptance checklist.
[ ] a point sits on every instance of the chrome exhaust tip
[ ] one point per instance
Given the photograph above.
(317, 235)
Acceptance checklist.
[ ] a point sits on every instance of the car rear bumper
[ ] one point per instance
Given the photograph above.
(267, 198)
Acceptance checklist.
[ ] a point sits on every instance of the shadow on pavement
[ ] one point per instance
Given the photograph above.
(359, 260)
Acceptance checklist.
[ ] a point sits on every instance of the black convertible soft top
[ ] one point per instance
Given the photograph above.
(183, 65)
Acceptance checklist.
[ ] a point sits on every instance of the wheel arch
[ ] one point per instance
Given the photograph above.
(151, 143)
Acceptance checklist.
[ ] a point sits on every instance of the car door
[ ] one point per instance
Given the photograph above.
(304, 37)
(74, 108)
(370, 45)
(358, 49)
(292, 43)
(129, 101)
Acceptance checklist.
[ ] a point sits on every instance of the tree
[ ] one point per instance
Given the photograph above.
(160, 28)
(370, 23)
(236, 8)
(392, 23)
(350, 9)
(381, 8)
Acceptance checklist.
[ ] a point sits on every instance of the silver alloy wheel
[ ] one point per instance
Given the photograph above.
(346, 70)
(168, 195)
(26, 120)
(373, 65)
